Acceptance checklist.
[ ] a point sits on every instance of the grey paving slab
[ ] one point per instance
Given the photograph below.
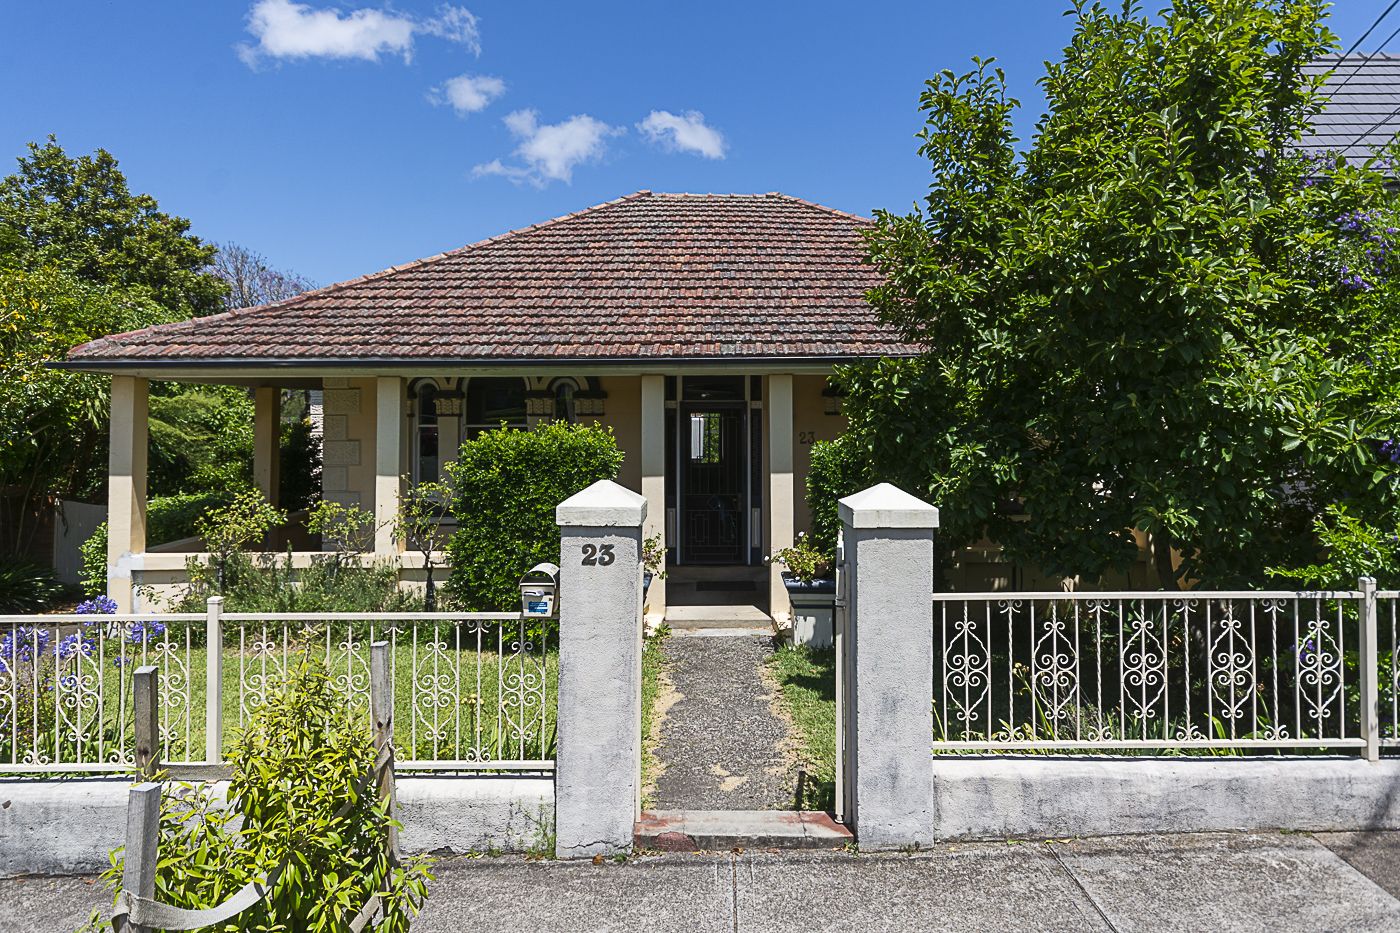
(722, 746)
(988, 886)
(674, 893)
(1226, 882)
(1376, 855)
(51, 904)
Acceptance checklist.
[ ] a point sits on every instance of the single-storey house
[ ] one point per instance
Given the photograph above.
(700, 328)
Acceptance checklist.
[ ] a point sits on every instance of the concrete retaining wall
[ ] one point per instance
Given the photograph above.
(69, 826)
(991, 798)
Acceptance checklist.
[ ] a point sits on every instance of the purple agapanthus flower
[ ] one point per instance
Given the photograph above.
(98, 605)
(22, 645)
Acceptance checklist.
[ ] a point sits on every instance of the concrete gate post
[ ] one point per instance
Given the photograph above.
(597, 777)
(888, 663)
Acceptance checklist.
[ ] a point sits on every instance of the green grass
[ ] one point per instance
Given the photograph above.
(652, 664)
(806, 678)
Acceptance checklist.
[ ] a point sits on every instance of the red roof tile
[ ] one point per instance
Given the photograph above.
(648, 276)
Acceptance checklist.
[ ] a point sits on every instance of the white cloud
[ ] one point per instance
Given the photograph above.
(287, 30)
(550, 151)
(683, 133)
(468, 93)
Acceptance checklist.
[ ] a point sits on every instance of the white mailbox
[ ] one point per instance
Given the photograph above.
(539, 590)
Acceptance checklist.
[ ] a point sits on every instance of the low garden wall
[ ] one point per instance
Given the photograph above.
(1055, 796)
(69, 826)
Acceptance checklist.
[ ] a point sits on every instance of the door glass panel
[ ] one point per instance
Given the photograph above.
(713, 495)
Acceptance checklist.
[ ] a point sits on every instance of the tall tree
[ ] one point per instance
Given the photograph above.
(1159, 318)
(251, 280)
(79, 214)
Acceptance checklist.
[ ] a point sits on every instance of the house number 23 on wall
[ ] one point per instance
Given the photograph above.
(598, 555)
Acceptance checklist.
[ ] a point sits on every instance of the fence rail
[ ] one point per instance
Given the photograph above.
(473, 691)
(1196, 671)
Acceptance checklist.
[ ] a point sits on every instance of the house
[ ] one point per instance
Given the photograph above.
(700, 328)
(1361, 97)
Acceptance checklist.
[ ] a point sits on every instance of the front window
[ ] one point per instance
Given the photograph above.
(493, 400)
(426, 442)
(564, 410)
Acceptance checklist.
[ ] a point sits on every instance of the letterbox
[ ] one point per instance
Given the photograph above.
(538, 591)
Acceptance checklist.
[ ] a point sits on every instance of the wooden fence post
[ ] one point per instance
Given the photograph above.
(142, 847)
(381, 707)
(214, 681)
(145, 688)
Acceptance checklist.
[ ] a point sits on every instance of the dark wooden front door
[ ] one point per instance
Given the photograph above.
(713, 492)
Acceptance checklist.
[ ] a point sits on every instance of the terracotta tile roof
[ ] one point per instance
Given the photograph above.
(648, 276)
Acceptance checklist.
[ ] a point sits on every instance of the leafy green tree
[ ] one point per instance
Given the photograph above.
(423, 508)
(1158, 318)
(53, 442)
(78, 213)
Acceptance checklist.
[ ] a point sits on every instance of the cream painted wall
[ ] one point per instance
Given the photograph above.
(810, 423)
(622, 411)
(348, 465)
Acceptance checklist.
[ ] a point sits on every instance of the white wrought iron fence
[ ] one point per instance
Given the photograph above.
(1186, 672)
(472, 691)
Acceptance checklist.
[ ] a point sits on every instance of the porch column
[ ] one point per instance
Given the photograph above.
(654, 481)
(126, 485)
(388, 435)
(267, 423)
(780, 488)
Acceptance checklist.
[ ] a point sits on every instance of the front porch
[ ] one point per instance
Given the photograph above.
(721, 458)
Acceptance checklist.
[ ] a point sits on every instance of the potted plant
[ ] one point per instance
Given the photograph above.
(810, 579)
(653, 562)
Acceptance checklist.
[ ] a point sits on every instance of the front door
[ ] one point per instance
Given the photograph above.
(713, 464)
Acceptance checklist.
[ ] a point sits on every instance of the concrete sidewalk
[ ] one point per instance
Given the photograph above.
(1217, 882)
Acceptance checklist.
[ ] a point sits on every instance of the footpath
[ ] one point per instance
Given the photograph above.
(1209, 882)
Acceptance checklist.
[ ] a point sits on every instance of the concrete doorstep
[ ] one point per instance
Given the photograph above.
(726, 830)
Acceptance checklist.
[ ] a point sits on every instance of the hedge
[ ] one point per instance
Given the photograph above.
(506, 484)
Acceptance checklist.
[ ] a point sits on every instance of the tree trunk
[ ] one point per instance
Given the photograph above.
(1162, 561)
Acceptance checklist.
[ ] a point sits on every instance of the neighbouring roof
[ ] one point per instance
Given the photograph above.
(699, 277)
(1362, 105)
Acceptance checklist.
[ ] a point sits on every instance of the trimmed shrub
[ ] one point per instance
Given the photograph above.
(506, 484)
(838, 469)
(168, 518)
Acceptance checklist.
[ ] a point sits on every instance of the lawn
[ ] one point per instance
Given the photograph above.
(652, 664)
(455, 697)
(807, 680)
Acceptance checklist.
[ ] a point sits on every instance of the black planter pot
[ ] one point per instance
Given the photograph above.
(821, 586)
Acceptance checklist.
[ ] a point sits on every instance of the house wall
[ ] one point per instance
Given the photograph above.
(810, 423)
(622, 411)
(347, 472)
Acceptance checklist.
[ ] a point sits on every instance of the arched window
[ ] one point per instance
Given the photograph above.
(425, 441)
(492, 400)
(564, 409)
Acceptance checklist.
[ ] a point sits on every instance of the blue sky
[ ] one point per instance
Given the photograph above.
(338, 139)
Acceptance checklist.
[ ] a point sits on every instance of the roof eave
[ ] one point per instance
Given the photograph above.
(176, 369)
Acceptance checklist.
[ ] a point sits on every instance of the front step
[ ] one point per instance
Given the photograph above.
(724, 830)
(718, 620)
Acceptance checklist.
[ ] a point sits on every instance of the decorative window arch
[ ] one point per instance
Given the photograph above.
(492, 400)
(565, 390)
(426, 432)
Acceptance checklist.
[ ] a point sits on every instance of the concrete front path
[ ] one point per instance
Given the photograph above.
(722, 745)
(1217, 882)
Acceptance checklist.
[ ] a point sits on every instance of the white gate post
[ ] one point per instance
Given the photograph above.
(597, 777)
(888, 657)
